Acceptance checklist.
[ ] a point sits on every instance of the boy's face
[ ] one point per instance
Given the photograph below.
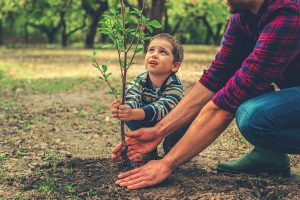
(159, 59)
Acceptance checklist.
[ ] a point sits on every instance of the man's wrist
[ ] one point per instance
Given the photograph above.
(170, 163)
(160, 129)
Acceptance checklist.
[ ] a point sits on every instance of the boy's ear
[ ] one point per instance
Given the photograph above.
(175, 67)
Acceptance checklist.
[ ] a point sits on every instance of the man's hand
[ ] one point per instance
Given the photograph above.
(152, 173)
(139, 143)
(114, 107)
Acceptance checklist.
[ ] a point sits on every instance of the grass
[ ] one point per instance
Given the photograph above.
(3, 156)
(48, 186)
(50, 156)
(43, 70)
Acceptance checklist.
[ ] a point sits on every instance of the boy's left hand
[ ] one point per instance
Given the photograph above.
(125, 113)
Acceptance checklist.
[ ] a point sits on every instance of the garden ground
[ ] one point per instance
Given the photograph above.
(56, 134)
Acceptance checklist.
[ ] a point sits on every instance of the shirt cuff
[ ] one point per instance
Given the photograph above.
(225, 102)
(149, 113)
(207, 82)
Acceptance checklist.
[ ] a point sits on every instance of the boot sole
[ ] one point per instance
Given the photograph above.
(286, 172)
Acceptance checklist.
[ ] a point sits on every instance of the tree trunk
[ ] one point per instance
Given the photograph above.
(51, 37)
(95, 15)
(157, 10)
(26, 34)
(218, 36)
(64, 35)
(1, 33)
(90, 37)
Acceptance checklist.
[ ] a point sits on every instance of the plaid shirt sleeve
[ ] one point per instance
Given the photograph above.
(277, 45)
(235, 48)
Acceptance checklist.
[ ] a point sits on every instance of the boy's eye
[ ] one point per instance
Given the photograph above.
(150, 50)
(163, 52)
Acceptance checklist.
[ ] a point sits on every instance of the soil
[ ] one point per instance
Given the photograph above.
(57, 146)
(96, 177)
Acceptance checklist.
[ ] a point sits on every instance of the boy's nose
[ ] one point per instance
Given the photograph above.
(154, 55)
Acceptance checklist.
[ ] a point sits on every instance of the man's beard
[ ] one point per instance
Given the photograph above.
(238, 6)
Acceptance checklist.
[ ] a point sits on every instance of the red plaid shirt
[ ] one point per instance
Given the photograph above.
(256, 52)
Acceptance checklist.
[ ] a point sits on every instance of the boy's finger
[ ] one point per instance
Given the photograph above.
(114, 110)
(123, 107)
(117, 148)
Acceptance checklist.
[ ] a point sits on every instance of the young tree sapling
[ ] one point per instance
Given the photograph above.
(126, 38)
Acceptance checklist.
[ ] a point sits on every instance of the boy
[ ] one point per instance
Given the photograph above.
(153, 94)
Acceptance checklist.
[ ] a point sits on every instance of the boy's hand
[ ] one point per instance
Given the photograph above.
(114, 107)
(125, 113)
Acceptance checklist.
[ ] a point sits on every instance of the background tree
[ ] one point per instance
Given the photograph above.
(72, 19)
(9, 11)
(44, 16)
(67, 21)
(94, 9)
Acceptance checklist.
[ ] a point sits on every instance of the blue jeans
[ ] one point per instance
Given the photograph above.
(169, 141)
(272, 120)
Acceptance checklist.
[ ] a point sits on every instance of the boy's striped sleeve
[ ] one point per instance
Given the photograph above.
(134, 92)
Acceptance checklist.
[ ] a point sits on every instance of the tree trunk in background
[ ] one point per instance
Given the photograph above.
(51, 37)
(49, 31)
(157, 10)
(218, 35)
(64, 36)
(1, 33)
(95, 14)
(26, 34)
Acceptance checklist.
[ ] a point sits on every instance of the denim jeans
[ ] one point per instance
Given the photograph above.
(169, 141)
(272, 120)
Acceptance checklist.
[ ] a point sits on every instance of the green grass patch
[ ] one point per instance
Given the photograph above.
(48, 186)
(50, 156)
(3, 156)
(41, 85)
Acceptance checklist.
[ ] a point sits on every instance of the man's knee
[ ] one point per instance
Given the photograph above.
(250, 120)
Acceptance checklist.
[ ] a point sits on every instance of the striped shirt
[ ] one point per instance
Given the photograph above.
(256, 52)
(156, 102)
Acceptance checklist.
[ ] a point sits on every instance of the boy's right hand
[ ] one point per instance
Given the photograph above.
(114, 107)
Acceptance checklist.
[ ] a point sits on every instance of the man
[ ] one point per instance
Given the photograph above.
(261, 46)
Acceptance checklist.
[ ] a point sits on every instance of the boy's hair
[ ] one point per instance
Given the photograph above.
(177, 47)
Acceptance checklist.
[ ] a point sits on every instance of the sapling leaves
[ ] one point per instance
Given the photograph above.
(155, 24)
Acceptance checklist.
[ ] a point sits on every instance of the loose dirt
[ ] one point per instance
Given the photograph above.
(58, 147)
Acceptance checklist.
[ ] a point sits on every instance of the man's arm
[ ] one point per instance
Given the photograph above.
(209, 124)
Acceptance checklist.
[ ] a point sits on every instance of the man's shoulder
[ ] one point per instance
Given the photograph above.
(275, 5)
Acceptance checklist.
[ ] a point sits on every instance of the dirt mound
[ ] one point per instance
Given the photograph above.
(94, 178)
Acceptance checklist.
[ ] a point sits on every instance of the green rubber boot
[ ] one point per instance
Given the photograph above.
(258, 161)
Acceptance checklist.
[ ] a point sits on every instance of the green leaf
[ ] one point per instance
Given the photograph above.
(107, 46)
(144, 19)
(94, 53)
(155, 24)
(108, 75)
(104, 68)
(137, 11)
(138, 50)
(101, 78)
(150, 29)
